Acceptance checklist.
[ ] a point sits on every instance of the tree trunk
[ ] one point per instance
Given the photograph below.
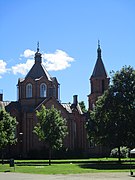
(50, 154)
(119, 155)
(2, 156)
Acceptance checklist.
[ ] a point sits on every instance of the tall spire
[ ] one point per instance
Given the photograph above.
(99, 69)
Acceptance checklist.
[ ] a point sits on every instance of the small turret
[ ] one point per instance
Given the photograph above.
(38, 56)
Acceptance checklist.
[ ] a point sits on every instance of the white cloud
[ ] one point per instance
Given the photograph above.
(58, 60)
(28, 53)
(3, 68)
(23, 68)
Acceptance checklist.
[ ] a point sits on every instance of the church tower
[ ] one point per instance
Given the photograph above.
(99, 80)
(38, 85)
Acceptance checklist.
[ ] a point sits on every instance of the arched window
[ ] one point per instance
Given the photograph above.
(43, 90)
(29, 90)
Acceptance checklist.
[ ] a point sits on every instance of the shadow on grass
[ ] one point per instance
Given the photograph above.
(107, 166)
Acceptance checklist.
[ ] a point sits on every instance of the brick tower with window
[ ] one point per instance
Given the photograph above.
(37, 85)
(99, 80)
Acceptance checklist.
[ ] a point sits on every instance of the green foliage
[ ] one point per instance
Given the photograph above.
(112, 120)
(83, 107)
(51, 127)
(7, 129)
(124, 152)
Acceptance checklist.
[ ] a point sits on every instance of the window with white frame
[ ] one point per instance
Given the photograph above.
(29, 90)
(43, 90)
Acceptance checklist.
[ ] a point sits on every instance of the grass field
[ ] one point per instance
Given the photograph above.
(68, 166)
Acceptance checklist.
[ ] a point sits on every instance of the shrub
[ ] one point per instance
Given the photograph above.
(124, 152)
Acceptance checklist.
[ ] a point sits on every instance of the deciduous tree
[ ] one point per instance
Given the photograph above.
(83, 107)
(51, 128)
(112, 122)
(7, 129)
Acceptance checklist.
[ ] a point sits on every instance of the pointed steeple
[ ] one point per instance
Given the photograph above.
(99, 69)
(99, 81)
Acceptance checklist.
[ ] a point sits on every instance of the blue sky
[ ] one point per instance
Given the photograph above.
(68, 32)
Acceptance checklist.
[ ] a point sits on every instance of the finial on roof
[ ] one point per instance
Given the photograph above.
(38, 46)
(98, 43)
(99, 50)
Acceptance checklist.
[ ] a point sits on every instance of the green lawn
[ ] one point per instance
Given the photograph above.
(53, 169)
(68, 167)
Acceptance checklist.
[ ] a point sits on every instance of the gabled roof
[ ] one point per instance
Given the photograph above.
(66, 106)
(99, 69)
(70, 109)
(13, 105)
(54, 101)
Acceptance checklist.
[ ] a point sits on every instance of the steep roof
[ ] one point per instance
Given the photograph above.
(66, 106)
(3, 104)
(13, 105)
(99, 69)
(38, 70)
(69, 108)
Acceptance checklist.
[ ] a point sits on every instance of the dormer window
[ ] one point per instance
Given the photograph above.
(29, 90)
(43, 90)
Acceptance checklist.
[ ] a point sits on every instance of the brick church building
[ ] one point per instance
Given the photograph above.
(39, 88)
